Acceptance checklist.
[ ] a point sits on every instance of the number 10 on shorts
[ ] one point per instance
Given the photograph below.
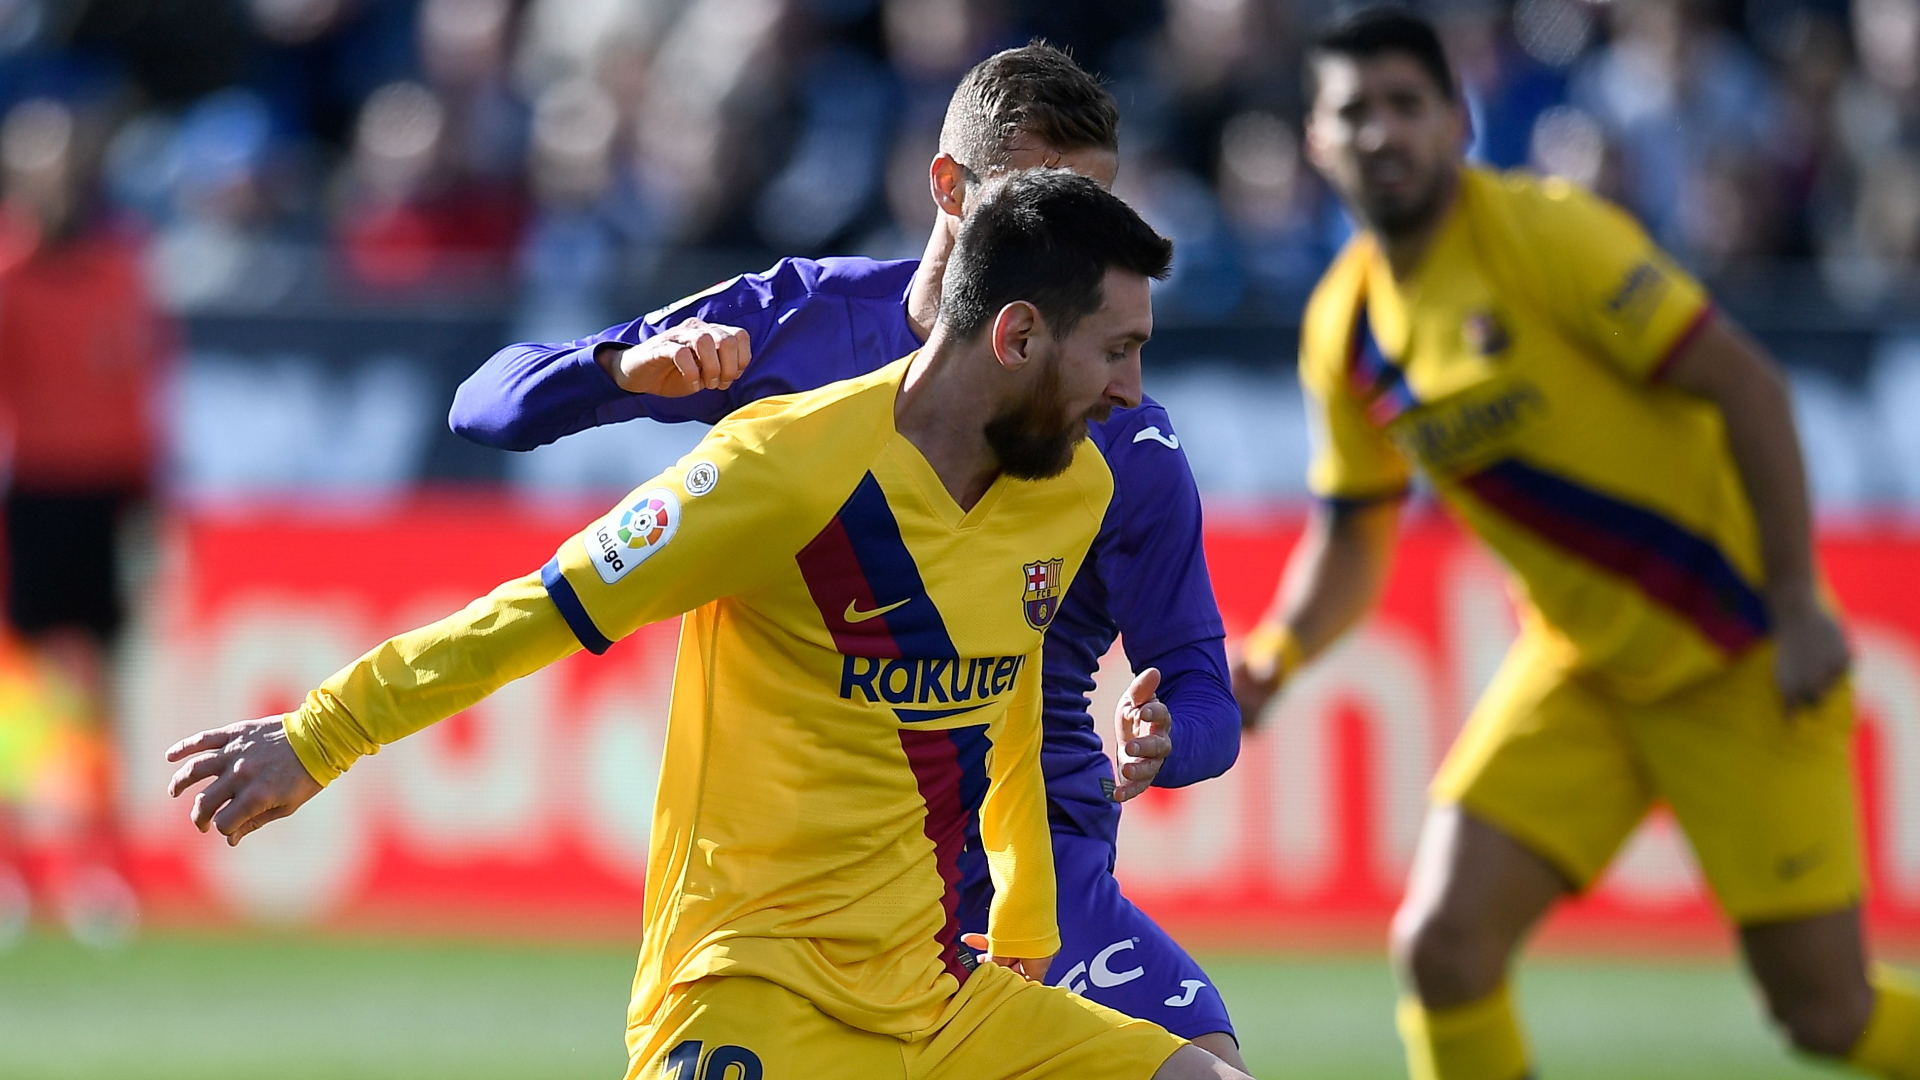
(722, 1063)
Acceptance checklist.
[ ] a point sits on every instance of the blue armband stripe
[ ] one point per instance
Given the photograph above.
(560, 590)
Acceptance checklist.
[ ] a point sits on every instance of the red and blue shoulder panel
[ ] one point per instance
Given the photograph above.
(1671, 565)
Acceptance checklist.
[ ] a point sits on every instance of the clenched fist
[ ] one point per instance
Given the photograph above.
(695, 355)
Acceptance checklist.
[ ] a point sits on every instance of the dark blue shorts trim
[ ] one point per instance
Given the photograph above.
(1111, 952)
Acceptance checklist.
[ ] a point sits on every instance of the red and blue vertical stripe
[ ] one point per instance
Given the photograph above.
(950, 767)
(860, 563)
(1381, 384)
(1672, 566)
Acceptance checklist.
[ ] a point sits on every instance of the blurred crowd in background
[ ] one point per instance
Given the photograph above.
(248, 247)
(569, 142)
(543, 168)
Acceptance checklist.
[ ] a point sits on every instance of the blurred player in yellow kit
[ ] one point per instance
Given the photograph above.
(57, 769)
(1631, 457)
(869, 569)
(50, 755)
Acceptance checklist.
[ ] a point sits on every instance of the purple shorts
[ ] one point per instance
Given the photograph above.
(1112, 953)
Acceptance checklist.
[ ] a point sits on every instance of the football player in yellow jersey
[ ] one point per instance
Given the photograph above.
(867, 571)
(1631, 457)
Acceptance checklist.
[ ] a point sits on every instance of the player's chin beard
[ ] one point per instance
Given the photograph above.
(1393, 219)
(1034, 438)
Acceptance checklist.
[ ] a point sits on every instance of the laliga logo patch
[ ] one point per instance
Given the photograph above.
(628, 537)
(1041, 602)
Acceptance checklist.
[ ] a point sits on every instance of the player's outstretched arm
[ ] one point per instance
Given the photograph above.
(260, 770)
(670, 546)
(528, 395)
(1332, 580)
(1726, 367)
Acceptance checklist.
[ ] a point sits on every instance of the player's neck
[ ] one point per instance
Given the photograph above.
(942, 409)
(1406, 249)
(923, 300)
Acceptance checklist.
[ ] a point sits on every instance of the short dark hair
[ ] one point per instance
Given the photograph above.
(1036, 89)
(1046, 236)
(1380, 30)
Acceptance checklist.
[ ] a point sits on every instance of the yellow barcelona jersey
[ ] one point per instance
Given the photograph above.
(855, 723)
(1520, 368)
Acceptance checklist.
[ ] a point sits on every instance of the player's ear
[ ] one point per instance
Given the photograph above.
(947, 179)
(1013, 334)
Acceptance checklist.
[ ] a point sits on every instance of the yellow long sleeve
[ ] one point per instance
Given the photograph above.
(1023, 921)
(424, 676)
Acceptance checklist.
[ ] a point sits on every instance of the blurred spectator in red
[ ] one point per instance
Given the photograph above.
(389, 235)
(406, 213)
(434, 185)
(83, 352)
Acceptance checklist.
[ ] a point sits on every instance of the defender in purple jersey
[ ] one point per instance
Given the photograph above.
(812, 322)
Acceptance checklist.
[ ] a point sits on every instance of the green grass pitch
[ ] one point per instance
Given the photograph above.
(270, 1008)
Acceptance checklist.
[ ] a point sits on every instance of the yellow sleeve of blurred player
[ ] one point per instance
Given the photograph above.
(1353, 459)
(1607, 281)
(1022, 921)
(426, 675)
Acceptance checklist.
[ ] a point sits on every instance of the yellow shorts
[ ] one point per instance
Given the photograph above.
(998, 1027)
(1766, 800)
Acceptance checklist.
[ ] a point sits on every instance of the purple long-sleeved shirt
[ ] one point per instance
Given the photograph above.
(816, 322)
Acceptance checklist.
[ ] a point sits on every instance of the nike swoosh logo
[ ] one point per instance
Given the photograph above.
(1145, 434)
(855, 615)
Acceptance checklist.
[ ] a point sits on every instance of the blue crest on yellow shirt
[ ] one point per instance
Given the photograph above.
(1042, 598)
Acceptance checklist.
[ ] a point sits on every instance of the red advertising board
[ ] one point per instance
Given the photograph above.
(530, 812)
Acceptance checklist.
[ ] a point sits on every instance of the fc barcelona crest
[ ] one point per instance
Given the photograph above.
(1042, 598)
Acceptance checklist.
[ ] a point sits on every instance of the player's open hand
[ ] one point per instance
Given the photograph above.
(1812, 652)
(1145, 730)
(695, 355)
(1032, 969)
(256, 776)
